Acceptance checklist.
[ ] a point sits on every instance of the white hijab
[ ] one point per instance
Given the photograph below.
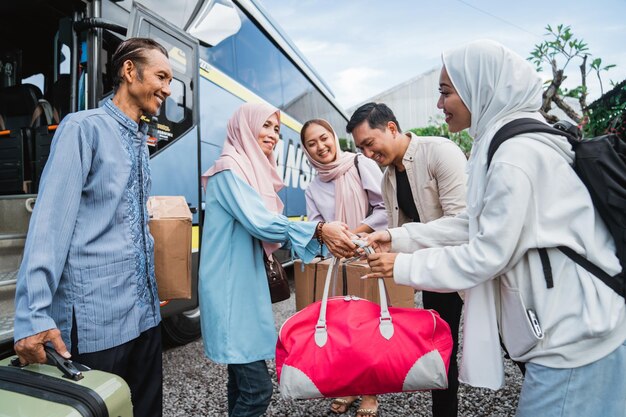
(497, 86)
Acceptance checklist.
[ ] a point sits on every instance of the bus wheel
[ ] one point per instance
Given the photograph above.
(182, 328)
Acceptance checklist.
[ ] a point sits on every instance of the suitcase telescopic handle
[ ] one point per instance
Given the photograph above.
(70, 369)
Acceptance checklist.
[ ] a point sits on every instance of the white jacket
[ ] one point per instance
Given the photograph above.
(533, 199)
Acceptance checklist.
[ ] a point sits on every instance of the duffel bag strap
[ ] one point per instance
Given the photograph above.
(386, 322)
(321, 333)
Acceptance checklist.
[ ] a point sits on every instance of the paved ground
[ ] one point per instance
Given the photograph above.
(194, 386)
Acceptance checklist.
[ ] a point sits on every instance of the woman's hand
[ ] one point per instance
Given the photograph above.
(381, 265)
(338, 239)
(379, 241)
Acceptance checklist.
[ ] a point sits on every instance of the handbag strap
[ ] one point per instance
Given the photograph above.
(385, 322)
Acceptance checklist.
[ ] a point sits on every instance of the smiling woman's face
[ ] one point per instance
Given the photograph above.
(268, 136)
(458, 117)
(320, 143)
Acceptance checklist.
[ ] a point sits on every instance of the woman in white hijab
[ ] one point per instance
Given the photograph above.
(528, 198)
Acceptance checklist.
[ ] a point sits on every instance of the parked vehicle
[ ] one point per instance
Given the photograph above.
(54, 59)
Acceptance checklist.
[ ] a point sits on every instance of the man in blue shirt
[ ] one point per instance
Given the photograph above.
(87, 277)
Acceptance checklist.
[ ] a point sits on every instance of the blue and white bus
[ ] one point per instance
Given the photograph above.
(54, 59)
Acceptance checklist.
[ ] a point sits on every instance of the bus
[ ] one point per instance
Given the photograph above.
(54, 59)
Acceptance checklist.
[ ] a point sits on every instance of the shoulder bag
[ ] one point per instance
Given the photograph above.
(276, 279)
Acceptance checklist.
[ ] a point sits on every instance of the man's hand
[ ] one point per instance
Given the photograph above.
(379, 241)
(30, 349)
(381, 265)
(338, 238)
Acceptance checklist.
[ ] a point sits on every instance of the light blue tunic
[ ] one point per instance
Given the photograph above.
(237, 320)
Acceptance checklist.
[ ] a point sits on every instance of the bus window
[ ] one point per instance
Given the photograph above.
(176, 116)
(175, 107)
(178, 59)
(220, 104)
(250, 58)
(36, 80)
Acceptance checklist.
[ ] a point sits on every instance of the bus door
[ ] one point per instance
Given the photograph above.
(174, 135)
(174, 132)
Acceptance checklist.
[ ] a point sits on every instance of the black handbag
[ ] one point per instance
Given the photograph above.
(276, 279)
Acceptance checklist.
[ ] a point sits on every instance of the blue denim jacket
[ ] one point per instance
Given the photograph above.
(89, 251)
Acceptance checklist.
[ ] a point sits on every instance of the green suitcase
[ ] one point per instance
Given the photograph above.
(59, 389)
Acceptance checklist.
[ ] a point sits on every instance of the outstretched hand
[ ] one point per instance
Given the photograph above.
(338, 238)
(381, 265)
(379, 241)
(30, 349)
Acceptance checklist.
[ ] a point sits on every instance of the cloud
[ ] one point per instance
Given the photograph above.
(353, 84)
(362, 48)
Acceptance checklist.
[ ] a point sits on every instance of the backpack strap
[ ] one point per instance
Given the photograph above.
(613, 282)
(518, 127)
(356, 165)
(527, 125)
(546, 266)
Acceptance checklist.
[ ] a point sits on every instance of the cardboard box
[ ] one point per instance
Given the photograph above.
(170, 226)
(310, 279)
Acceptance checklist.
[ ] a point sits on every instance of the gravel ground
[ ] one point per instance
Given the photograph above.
(195, 386)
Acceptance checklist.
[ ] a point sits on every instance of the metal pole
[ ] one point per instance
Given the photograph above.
(94, 39)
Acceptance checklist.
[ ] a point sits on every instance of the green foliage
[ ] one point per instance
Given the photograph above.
(562, 44)
(608, 113)
(347, 145)
(439, 128)
(556, 53)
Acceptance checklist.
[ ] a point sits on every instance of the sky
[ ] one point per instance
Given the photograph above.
(364, 47)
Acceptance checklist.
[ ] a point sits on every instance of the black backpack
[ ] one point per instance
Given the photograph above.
(600, 163)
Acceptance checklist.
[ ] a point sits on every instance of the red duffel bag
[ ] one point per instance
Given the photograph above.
(343, 346)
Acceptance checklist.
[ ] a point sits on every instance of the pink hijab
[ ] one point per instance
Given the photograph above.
(351, 202)
(243, 155)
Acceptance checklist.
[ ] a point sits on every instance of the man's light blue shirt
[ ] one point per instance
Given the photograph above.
(89, 251)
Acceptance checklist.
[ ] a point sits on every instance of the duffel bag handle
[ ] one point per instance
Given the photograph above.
(386, 323)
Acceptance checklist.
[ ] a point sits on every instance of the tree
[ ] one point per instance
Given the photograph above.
(557, 53)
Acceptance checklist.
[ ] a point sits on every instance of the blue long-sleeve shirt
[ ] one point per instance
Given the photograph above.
(237, 320)
(89, 251)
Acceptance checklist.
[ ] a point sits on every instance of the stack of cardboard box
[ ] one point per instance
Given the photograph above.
(310, 279)
(170, 226)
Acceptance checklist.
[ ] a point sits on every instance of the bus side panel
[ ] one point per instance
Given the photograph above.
(175, 170)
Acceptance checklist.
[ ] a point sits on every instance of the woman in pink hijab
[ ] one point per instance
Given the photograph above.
(243, 219)
(347, 185)
(347, 188)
